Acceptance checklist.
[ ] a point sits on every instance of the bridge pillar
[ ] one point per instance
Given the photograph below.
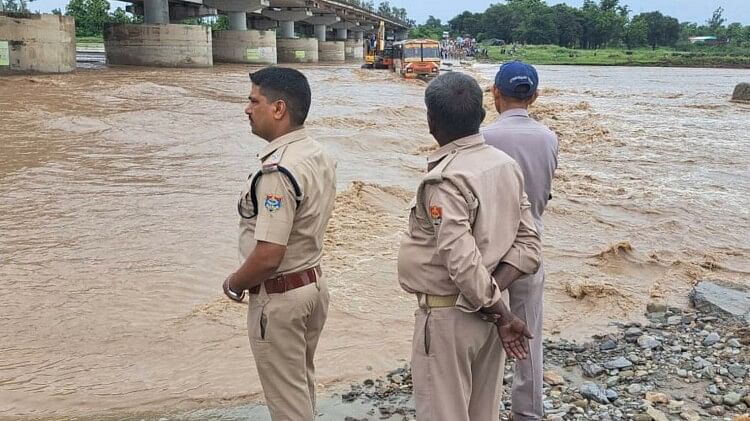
(320, 33)
(238, 44)
(37, 43)
(354, 50)
(237, 21)
(342, 34)
(286, 29)
(156, 12)
(286, 19)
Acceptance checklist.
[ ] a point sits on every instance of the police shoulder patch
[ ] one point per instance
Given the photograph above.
(436, 214)
(273, 202)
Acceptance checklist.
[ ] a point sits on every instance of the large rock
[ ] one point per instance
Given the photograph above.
(710, 297)
(741, 92)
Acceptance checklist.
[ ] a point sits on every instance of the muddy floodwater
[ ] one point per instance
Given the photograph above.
(118, 222)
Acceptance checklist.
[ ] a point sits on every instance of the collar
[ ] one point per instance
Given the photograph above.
(462, 143)
(514, 112)
(291, 137)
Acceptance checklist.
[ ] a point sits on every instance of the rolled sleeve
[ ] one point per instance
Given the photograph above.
(458, 249)
(276, 209)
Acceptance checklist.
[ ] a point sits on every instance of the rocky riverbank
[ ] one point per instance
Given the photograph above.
(683, 364)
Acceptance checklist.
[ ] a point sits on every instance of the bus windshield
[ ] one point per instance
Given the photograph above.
(421, 51)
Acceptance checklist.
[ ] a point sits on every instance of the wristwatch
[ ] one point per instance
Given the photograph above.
(235, 296)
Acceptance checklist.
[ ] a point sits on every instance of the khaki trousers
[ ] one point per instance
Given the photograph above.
(284, 330)
(457, 366)
(526, 302)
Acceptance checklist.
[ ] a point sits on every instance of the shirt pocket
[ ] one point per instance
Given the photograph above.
(418, 219)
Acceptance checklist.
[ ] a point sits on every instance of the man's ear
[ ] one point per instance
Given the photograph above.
(279, 109)
(533, 98)
(495, 92)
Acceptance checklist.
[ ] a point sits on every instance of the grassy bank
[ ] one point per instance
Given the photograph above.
(89, 40)
(552, 54)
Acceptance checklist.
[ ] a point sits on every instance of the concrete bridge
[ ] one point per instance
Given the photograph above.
(261, 32)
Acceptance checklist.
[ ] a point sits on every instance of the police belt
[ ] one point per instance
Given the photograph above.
(438, 301)
(287, 282)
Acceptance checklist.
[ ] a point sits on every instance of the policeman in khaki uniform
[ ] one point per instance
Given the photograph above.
(535, 148)
(470, 228)
(284, 212)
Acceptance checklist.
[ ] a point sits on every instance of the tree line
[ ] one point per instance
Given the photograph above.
(607, 23)
(384, 9)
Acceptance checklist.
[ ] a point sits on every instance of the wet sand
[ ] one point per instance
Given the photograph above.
(118, 222)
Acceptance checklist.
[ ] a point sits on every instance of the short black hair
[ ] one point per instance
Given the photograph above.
(288, 85)
(454, 104)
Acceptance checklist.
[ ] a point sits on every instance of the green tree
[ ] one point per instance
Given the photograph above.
(57, 12)
(121, 16)
(735, 33)
(466, 23)
(433, 22)
(384, 8)
(90, 15)
(569, 23)
(662, 30)
(717, 19)
(636, 33)
(20, 6)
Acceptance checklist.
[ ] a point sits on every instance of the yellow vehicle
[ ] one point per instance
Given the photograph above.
(413, 58)
(379, 51)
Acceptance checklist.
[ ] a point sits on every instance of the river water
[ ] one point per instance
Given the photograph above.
(118, 221)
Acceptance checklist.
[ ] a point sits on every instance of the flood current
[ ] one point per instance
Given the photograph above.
(118, 222)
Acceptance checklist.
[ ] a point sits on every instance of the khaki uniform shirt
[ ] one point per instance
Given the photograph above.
(279, 219)
(534, 147)
(470, 214)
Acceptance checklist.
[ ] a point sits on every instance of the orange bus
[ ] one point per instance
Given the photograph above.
(414, 58)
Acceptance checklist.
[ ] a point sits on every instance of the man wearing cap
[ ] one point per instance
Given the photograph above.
(284, 212)
(535, 148)
(470, 229)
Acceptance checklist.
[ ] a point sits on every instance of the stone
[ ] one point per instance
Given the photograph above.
(747, 400)
(553, 378)
(593, 392)
(635, 389)
(608, 345)
(741, 92)
(682, 372)
(654, 307)
(618, 363)
(717, 411)
(710, 297)
(591, 370)
(581, 403)
(642, 417)
(675, 405)
(690, 415)
(633, 332)
(732, 399)
(612, 395)
(656, 415)
(745, 417)
(674, 320)
(737, 371)
(734, 343)
(613, 381)
(648, 342)
(712, 339)
(657, 397)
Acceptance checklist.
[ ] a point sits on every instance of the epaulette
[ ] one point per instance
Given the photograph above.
(435, 175)
(270, 165)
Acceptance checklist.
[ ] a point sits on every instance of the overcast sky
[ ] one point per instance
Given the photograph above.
(684, 10)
